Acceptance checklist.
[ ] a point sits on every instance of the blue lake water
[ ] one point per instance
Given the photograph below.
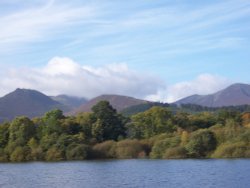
(128, 173)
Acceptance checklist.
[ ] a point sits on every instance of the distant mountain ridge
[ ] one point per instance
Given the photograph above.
(26, 102)
(70, 101)
(119, 102)
(32, 103)
(234, 95)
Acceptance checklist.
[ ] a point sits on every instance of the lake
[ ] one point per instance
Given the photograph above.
(128, 173)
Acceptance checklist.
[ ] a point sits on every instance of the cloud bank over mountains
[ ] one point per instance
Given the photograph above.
(62, 75)
(203, 84)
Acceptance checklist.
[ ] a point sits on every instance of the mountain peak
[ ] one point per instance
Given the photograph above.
(233, 95)
(119, 102)
(24, 90)
(25, 102)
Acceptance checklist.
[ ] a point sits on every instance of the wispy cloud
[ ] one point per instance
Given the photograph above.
(151, 35)
(167, 31)
(172, 28)
(39, 23)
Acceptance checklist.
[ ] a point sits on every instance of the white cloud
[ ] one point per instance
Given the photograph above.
(204, 84)
(64, 76)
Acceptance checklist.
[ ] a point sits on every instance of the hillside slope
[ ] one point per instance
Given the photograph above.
(117, 101)
(234, 95)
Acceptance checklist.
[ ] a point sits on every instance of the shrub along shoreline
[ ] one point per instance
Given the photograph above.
(156, 133)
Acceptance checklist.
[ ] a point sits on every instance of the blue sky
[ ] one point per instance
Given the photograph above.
(177, 46)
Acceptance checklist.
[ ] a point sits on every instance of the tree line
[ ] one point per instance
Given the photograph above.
(104, 133)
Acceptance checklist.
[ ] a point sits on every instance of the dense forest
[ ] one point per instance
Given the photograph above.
(105, 134)
(188, 108)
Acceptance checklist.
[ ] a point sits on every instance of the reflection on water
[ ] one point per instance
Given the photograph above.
(128, 173)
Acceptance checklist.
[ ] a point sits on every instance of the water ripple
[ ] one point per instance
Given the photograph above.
(127, 173)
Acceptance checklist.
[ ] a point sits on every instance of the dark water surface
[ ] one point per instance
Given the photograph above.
(128, 173)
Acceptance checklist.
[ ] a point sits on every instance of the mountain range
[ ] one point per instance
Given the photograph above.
(234, 95)
(32, 103)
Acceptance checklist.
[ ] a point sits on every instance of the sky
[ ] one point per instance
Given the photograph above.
(156, 50)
